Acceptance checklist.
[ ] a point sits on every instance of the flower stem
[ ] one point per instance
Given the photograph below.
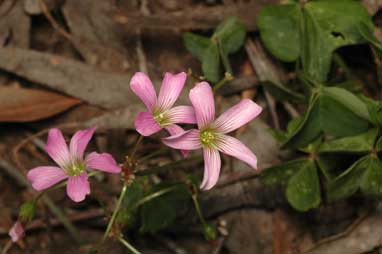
(136, 147)
(128, 245)
(116, 210)
(197, 208)
(227, 77)
(153, 195)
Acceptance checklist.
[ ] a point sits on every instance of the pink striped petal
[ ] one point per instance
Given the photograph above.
(16, 232)
(187, 140)
(145, 124)
(56, 147)
(181, 114)
(79, 142)
(78, 187)
(42, 178)
(103, 162)
(237, 149)
(174, 129)
(212, 165)
(237, 116)
(202, 98)
(171, 87)
(143, 87)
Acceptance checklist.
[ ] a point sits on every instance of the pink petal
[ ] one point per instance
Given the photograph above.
(103, 162)
(181, 114)
(56, 147)
(171, 87)
(16, 232)
(145, 124)
(78, 187)
(45, 177)
(237, 149)
(238, 115)
(202, 98)
(79, 142)
(187, 140)
(212, 164)
(174, 129)
(144, 89)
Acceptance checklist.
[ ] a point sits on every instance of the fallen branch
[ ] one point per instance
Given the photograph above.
(105, 89)
(200, 17)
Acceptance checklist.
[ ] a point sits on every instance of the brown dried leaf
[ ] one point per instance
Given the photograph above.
(19, 104)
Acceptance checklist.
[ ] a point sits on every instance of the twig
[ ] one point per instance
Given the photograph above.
(219, 245)
(13, 172)
(54, 23)
(171, 245)
(128, 245)
(63, 219)
(343, 234)
(266, 72)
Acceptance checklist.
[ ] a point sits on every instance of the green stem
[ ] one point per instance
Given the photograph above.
(227, 77)
(136, 147)
(116, 210)
(128, 245)
(197, 208)
(149, 156)
(224, 58)
(153, 195)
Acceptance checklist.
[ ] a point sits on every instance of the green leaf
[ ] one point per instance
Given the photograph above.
(196, 44)
(349, 100)
(327, 26)
(362, 143)
(368, 34)
(337, 120)
(162, 211)
(348, 182)
(375, 110)
(280, 174)
(371, 183)
(211, 63)
(230, 34)
(303, 190)
(279, 30)
(307, 130)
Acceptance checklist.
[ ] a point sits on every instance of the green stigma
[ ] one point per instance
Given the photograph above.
(75, 168)
(207, 137)
(160, 118)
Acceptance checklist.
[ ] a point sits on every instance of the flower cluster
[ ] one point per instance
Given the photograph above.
(211, 135)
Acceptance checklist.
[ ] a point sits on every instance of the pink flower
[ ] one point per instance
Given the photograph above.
(72, 165)
(16, 232)
(211, 134)
(160, 113)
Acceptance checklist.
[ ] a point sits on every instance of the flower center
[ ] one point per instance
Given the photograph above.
(207, 137)
(75, 168)
(160, 118)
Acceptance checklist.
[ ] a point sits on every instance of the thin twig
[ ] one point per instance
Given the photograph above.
(343, 234)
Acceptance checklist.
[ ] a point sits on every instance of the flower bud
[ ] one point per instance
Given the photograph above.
(209, 232)
(27, 211)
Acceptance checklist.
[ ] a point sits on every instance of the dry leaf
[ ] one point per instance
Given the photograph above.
(19, 104)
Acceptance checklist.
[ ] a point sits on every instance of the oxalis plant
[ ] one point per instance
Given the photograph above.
(74, 168)
(338, 139)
